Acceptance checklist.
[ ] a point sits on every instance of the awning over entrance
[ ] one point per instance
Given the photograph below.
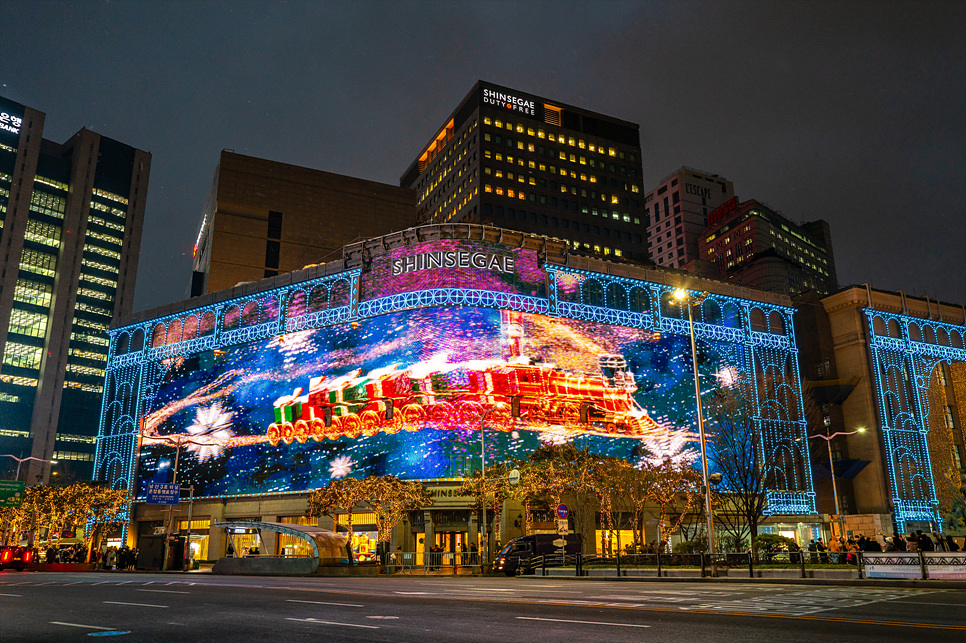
(325, 544)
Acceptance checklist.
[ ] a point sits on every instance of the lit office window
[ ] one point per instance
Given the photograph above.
(41, 263)
(32, 292)
(42, 233)
(22, 356)
(28, 323)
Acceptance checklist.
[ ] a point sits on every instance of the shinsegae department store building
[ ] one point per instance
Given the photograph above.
(393, 359)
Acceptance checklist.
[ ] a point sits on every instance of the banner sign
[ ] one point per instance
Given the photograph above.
(11, 493)
(163, 493)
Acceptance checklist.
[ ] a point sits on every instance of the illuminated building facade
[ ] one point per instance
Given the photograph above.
(264, 218)
(388, 360)
(895, 366)
(518, 161)
(70, 229)
(677, 213)
(752, 244)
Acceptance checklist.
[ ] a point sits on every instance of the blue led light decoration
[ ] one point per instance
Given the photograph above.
(158, 367)
(905, 350)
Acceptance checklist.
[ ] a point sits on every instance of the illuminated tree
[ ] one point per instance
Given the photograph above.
(735, 451)
(551, 472)
(336, 501)
(490, 494)
(55, 508)
(389, 498)
(674, 488)
(610, 481)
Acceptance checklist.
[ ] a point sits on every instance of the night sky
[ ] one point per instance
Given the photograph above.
(849, 111)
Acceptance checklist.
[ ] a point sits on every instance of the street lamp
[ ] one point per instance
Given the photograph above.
(828, 442)
(20, 461)
(681, 296)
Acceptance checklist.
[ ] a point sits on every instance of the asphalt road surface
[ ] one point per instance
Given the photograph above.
(202, 607)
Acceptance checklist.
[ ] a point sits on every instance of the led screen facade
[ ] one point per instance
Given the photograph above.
(393, 368)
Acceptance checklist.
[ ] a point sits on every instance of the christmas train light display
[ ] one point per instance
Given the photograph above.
(462, 396)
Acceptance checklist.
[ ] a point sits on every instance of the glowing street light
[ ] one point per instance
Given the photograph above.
(682, 296)
(831, 465)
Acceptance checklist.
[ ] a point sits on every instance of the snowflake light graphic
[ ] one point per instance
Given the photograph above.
(670, 445)
(340, 467)
(210, 432)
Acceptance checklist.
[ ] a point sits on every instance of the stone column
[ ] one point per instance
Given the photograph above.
(429, 532)
(217, 543)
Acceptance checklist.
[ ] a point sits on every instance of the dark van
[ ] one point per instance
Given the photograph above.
(519, 552)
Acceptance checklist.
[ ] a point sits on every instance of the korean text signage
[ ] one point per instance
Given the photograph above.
(163, 493)
(11, 118)
(509, 101)
(11, 493)
(697, 190)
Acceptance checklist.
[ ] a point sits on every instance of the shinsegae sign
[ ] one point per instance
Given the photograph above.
(452, 259)
(509, 101)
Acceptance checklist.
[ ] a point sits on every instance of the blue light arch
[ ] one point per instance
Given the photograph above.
(135, 368)
(904, 352)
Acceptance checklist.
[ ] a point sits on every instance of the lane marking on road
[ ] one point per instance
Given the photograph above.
(315, 620)
(163, 591)
(90, 627)
(293, 600)
(564, 620)
(133, 604)
(11, 594)
(927, 603)
(415, 593)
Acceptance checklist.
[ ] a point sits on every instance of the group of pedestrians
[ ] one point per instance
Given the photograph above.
(75, 553)
(119, 558)
(844, 550)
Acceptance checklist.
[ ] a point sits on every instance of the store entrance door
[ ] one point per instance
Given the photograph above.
(453, 546)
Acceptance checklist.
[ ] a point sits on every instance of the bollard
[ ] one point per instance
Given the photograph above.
(858, 562)
(702, 565)
(751, 564)
(618, 562)
(801, 560)
(922, 565)
(658, 550)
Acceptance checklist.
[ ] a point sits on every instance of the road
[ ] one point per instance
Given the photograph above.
(202, 607)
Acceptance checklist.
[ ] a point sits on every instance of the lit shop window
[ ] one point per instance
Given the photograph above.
(32, 292)
(28, 323)
(42, 233)
(487, 121)
(22, 356)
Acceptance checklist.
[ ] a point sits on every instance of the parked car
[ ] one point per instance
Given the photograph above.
(520, 552)
(13, 557)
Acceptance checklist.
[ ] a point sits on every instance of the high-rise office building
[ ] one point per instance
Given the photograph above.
(70, 231)
(752, 244)
(263, 218)
(519, 161)
(677, 211)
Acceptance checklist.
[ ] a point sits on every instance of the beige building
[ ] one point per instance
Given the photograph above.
(676, 213)
(894, 366)
(264, 218)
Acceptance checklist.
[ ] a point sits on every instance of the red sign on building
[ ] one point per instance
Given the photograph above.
(723, 210)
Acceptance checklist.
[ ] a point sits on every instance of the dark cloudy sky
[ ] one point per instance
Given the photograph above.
(854, 112)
